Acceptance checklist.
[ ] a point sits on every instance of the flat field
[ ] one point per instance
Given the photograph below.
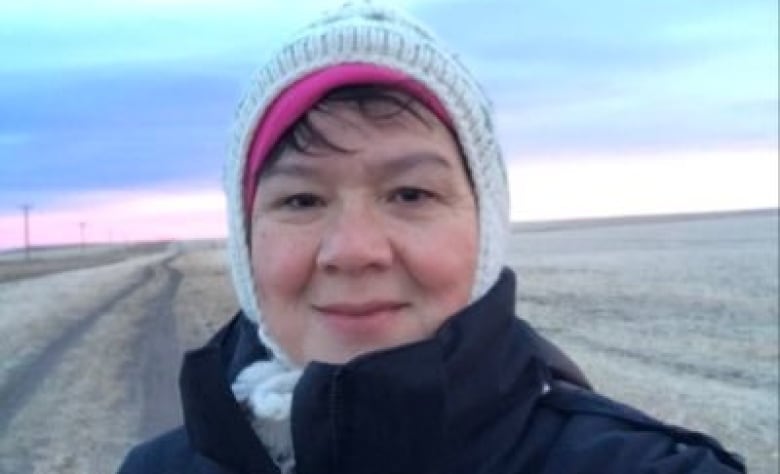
(678, 317)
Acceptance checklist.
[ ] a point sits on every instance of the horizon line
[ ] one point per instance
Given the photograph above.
(536, 225)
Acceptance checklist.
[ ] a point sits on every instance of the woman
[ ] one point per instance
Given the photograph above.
(368, 211)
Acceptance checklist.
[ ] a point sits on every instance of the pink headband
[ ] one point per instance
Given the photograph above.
(303, 94)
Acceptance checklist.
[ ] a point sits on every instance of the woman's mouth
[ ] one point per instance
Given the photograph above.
(364, 317)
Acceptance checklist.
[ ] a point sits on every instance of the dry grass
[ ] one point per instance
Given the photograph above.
(205, 299)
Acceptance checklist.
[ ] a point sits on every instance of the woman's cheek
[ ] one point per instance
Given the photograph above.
(282, 261)
(449, 268)
(282, 266)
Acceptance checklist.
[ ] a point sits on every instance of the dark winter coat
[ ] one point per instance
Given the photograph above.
(486, 394)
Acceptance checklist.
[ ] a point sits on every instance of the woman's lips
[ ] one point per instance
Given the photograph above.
(359, 310)
(360, 317)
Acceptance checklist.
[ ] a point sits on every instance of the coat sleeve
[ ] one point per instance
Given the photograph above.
(627, 450)
(168, 454)
(605, 437)
(134, 462)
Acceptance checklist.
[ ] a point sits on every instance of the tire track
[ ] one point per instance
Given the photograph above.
(160, 358)
(23, 382)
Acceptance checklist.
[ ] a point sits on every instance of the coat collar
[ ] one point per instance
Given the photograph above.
(216, 424)
(406, 409)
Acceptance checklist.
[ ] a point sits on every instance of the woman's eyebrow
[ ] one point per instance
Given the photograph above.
(405, 163)
(386, 167)
(294, 170)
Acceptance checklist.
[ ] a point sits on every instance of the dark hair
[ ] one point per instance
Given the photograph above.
(376, 103)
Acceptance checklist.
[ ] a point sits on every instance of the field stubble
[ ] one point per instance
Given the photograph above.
(679, 319)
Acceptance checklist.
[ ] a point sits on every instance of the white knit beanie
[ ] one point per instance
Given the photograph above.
(368, 34)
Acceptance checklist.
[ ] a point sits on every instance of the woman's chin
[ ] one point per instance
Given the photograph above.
(334, 350)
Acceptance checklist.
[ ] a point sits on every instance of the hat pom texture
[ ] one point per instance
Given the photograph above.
(365, 33)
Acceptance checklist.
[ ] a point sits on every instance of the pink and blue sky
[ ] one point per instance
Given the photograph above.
(116, 112)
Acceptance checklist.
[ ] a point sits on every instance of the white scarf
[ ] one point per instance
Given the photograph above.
(266, 388)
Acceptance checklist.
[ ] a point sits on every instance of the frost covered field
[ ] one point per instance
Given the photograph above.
(677, 317)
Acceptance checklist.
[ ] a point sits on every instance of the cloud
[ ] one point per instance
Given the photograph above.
(114, 128)
(46, 35)
(9, 138)
(126, 94)
(615, 126)
(605, 75)
(660, 183)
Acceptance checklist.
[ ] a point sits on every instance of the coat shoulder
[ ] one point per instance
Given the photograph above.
(599, 432)
(168, 453)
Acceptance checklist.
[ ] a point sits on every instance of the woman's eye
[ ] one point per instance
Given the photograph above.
(410, 195)
(302, 201)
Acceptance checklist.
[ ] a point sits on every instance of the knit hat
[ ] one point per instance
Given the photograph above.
(385, 42)
(298, 98)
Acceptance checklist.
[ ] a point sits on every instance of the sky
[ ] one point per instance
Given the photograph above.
(116, 113)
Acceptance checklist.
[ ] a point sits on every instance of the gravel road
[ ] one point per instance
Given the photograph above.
(103, 381)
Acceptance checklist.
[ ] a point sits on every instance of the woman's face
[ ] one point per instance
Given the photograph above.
(368, 249)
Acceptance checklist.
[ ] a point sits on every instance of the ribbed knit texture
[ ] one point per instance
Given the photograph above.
(366, 33)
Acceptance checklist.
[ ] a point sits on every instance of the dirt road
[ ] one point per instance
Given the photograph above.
(103, 381)
(14, 266)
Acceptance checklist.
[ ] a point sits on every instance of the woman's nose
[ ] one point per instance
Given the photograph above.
(355, 241)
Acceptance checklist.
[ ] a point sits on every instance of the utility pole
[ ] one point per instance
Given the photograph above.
(26, 211)
(82, 225)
